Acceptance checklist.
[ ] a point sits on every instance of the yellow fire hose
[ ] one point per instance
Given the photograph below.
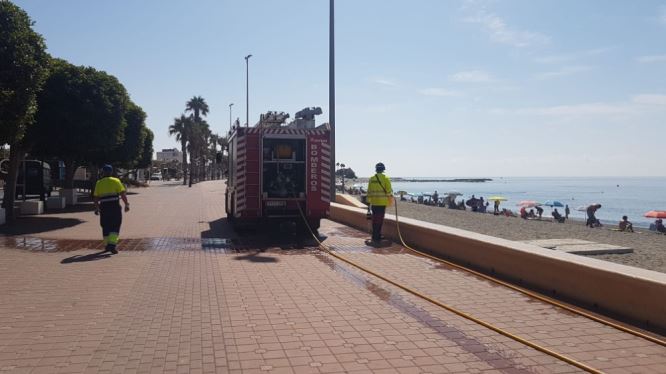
(528, 292)
(451, 309)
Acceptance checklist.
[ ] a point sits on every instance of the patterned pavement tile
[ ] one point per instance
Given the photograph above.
(186, 294)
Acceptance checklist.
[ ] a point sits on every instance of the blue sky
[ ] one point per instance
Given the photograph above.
(429, 87)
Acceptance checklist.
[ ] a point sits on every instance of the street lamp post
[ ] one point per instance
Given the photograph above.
(230, 126)
(247, 91)
(331, 90)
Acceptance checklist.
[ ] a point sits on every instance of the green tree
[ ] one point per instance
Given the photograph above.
(212, 153)
(23, 68)
(179, 128)
(223, 141)
(345, 173)
(128, 153)
(197, 136)
(146, 157)
(81, 117)
(197, 105)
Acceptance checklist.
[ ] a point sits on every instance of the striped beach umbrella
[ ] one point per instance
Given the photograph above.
(655, 214)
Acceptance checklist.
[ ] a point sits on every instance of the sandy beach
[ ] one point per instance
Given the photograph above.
(649, 247)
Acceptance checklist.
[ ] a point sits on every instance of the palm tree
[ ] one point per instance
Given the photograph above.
(212, 143)
(180, 128)
(223, 141)
(198, 106)
(197, 145)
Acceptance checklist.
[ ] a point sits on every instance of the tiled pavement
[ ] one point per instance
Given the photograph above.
(190, 300)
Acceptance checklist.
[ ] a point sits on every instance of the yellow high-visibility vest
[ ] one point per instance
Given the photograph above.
(108, 189)
(377, 195)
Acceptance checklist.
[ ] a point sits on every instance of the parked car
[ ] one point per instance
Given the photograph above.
(156, 177)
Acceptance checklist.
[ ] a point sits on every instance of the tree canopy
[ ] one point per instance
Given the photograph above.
(146, 157)
(346, 172)
(129, 152)
(81, 116)
(198, 106)
(23, 68)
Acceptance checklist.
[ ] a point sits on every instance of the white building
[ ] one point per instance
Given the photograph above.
(168, 155)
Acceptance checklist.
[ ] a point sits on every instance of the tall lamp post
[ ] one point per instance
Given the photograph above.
(331, 90)
(230, 126)
(247, 90)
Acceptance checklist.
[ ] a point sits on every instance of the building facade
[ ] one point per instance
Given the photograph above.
(168, 155)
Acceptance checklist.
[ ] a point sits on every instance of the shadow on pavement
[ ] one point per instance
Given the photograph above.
(220, 228)
(251, 242)
(78, 208)
(91, 257)
(256, 257)
(36, 225)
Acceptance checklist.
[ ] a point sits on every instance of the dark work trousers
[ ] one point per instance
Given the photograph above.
(377, 221)
(110, 218)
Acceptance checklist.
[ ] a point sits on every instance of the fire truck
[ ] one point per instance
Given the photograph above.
(276, 168)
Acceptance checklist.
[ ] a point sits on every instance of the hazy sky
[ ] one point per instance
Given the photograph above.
(431, 88)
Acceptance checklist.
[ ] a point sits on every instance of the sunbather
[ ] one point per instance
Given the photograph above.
(659, 226)
(558, 217)
(625, 225)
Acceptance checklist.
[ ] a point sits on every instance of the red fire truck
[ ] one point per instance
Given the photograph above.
(275, 167)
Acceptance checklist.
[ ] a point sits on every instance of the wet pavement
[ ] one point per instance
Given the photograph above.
(219, 302)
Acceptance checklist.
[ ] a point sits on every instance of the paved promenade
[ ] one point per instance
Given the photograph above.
(186, 295)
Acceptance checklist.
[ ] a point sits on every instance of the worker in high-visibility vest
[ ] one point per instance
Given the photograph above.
(107, 195)
(380, 195)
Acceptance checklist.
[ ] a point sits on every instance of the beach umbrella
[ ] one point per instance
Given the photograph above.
(552, 203)
(453, 193)
(528, 203)
(655, 214)
(497, 198)
(402, 192)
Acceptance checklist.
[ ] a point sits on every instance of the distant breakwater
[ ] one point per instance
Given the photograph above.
(467, 180)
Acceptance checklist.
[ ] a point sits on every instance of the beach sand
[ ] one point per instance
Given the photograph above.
(649, 247)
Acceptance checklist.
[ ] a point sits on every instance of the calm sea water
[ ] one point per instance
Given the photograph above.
(618, 196)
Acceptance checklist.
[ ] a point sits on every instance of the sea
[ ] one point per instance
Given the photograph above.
(630, 196)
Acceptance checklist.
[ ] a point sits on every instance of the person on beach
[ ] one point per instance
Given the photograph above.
(558, 217)
(523, 212)
(659, 226)
(591, 218)
(496, 205)
(435, 198)
(473, 203)
(625, 225)
(380, 194)
(539, 211)
(567, 211)
(107, 195)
